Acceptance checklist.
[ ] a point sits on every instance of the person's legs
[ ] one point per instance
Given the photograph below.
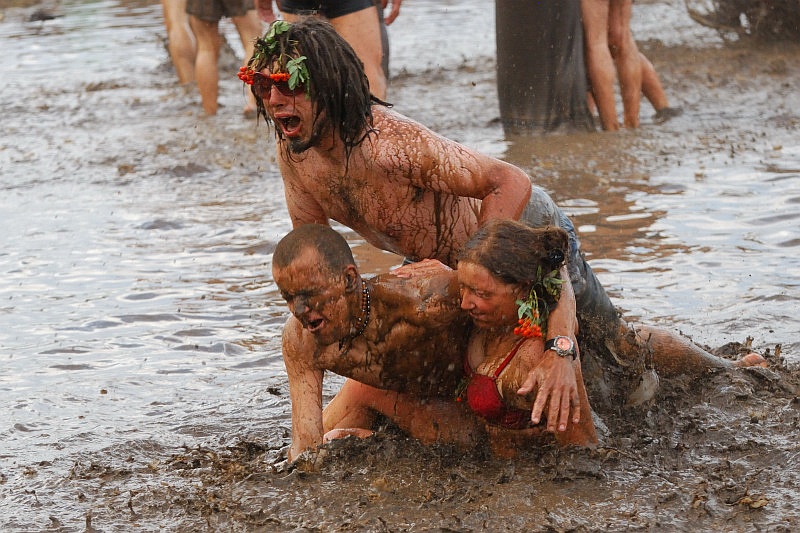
(672, 353)
(626, 58)
(654, 92)
(249, 28)
(180, 40)
(430, 420)
(651, 85)
(363, 31)
(205, 66)
(599, 63)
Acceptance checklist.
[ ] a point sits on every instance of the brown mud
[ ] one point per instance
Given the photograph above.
(710, 453)
(716, 452)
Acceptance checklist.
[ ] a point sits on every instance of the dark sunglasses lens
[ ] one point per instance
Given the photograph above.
(263, 84)
(283, 87)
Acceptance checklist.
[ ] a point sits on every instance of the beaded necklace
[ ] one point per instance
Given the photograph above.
(361, 322)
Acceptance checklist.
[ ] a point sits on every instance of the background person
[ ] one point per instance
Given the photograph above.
(180, 40)
(611, 54)
(204, 17)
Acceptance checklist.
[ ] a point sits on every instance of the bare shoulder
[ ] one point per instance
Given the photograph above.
(398, 133)
(391, 125)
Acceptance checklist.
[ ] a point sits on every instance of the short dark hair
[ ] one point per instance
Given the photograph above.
(338, 85)
(333, 249)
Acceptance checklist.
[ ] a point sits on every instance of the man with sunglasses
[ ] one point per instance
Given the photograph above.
(345, 156)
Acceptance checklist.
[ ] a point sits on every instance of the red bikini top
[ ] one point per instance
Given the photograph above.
(485, 401)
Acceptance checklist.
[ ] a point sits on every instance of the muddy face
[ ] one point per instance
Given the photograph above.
(315, 296)
(489, 302)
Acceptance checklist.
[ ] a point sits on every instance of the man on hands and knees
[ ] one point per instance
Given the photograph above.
(389, 334)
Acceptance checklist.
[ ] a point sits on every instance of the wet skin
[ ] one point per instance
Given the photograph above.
(413, 343)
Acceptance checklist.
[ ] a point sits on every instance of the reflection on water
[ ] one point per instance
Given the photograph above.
(136, 300)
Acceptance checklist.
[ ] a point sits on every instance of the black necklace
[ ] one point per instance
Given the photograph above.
(361, 322)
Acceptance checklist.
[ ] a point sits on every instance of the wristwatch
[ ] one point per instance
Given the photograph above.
(563, 346)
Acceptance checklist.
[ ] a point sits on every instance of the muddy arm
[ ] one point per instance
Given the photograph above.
(305, 390)
(556, 380)
(449, 167)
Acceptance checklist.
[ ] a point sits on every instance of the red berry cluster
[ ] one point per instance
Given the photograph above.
(280, 76)
(246, 75)
(527, 328)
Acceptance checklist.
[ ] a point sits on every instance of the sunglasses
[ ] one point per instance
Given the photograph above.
(263, 83)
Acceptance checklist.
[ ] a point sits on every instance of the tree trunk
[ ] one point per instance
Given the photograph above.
(541, 74)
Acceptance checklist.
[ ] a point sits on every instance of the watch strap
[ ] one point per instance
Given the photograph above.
(551, 345)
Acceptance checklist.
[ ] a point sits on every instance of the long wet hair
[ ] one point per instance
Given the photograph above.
(338, 85)
(517, 254)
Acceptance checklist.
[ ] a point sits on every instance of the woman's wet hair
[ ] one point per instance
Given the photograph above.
(338, 85)
(515, 253)
(331, 246)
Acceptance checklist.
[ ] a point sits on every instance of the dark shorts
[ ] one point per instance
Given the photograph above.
(330, 9)
(214, 10)
(608, 380)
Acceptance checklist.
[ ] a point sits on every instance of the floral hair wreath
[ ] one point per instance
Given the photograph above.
(533, 315)
(296, 71)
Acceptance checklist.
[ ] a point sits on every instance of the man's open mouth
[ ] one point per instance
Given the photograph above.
(290, 125)
(314, 325)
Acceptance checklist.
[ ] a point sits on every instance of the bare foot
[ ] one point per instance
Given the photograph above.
(751, 359)
(346, 432)
(666, 113)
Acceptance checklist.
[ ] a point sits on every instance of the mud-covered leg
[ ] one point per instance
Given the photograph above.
(428, 420)
(673, 354)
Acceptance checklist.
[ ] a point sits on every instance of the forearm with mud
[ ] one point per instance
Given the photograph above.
(563, 319)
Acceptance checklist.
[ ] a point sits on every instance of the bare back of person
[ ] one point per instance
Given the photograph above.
(414, 342)
(404, 189)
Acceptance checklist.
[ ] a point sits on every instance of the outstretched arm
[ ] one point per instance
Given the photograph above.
(305, 390)
(444, 165)
(555, 380)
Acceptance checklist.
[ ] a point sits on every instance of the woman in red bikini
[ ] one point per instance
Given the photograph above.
(510, 278)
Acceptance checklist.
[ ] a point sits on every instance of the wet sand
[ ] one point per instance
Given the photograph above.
(140, 329)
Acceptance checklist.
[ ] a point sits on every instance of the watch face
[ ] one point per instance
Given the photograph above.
(563, 344)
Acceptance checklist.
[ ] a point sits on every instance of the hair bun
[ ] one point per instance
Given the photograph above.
(555, 257)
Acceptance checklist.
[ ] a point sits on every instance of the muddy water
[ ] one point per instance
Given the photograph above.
(141, 385)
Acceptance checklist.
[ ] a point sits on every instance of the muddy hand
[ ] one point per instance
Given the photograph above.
(422, 268)
(557, 387)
